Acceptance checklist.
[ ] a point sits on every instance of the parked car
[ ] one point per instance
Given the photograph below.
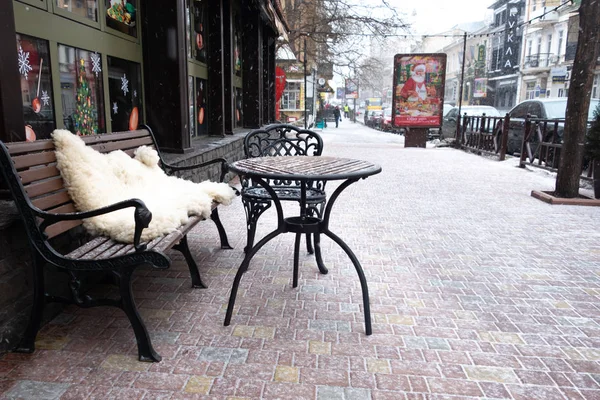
(386, 120)
(374, 118)
(449, 121)
(554, 108)
(434, 133)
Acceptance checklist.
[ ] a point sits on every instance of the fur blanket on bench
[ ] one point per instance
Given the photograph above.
(97, 180)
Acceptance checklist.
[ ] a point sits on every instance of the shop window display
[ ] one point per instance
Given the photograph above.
(86, 9)
(36, 88)
(81, 90)
(201, 107)
(198, 31)
(237, 52)
(125, 94)
(121, 15)
(239, 117)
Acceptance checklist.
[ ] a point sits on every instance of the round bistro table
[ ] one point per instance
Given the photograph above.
(303, 169)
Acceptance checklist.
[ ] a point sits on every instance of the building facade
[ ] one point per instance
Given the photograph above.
(200, 73)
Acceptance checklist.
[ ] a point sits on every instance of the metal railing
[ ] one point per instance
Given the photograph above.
(484, 135)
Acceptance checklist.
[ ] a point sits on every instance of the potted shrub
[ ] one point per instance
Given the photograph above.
(592, 150)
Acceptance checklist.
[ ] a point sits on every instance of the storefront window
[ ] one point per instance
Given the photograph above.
(121, 15)
(202, 107)
(237, 51)
(83, 8)
(125, 93)
(198, 31)
(192, 106)
(239, 117)
(36, 88)
(290, 100)
(81, 90)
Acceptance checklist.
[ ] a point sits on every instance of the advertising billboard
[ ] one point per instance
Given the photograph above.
(418, 90)
(351, 89)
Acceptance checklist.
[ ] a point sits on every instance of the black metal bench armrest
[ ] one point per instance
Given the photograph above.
(142, 217)
(173, 168)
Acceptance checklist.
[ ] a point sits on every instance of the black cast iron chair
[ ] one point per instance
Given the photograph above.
(282, 140)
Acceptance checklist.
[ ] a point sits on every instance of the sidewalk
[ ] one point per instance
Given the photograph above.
(477, 290)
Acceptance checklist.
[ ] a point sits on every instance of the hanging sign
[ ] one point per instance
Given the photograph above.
(280, 80)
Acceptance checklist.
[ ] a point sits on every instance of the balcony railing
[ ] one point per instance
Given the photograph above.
(542, 60)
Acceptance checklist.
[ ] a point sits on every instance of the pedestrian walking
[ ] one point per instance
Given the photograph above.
(337, 115)
(346, 111)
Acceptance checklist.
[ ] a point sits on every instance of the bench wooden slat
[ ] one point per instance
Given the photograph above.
(32, 159)
(122, 144)
(45, 187)
(97, 252)
(92, 244)
(112, 137)
(61, 227)
(53, 200)
(38, 174)
(15, 148)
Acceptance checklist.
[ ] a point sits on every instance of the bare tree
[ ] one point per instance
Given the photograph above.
(335, 29)
(578, 103)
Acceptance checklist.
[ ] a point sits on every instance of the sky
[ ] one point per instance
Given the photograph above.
(434, 16)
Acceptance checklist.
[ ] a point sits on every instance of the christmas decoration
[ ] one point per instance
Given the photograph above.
(24, 66)
(85, 123)
(45, 98)
(96, 66)
(135, 93)
(124, 84)
(115, 108)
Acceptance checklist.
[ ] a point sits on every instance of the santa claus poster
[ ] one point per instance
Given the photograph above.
(418, 90)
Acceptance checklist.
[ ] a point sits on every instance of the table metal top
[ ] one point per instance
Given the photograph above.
(305, 167)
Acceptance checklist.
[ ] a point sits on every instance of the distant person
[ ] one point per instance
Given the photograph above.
(337, 115)
(415, 88)
(346, 111)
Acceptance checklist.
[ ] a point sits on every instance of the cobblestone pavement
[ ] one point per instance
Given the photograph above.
(477, 290)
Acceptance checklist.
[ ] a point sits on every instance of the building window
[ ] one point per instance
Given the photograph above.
(196, 32)
(125, 94)
(595, 87)
(529, 47)
(290, 100)
(121, 15)
(539, 45)
(87, 9)
(560, 42)
(198, 103)
(36, 88)
(237, 102)
(549, 40)
(81, 90)
(530, 91)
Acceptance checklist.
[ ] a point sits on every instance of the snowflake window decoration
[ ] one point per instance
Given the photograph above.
(24, 66)
(134, 93)
(45, 98)
(124, 84)
(96, 65)
(115, 108)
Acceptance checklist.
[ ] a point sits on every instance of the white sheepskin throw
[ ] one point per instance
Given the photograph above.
(96, 180)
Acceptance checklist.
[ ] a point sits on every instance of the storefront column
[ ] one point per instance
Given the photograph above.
(12, 125)
(215, 56)
(268, 76)
(228, 111)
(252, 69)
(165, 73)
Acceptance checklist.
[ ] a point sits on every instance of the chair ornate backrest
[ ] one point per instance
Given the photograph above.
(282, 140)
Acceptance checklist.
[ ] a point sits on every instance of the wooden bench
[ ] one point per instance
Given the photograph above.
(29, 169)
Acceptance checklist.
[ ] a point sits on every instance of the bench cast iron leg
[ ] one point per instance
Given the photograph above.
(27, 344)
(361, 277)
(222, 234)
(243, 268)
(195, 274)
(145, 350)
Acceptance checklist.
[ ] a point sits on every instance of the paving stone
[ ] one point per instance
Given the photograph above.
(476, 290)
(36, 390)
